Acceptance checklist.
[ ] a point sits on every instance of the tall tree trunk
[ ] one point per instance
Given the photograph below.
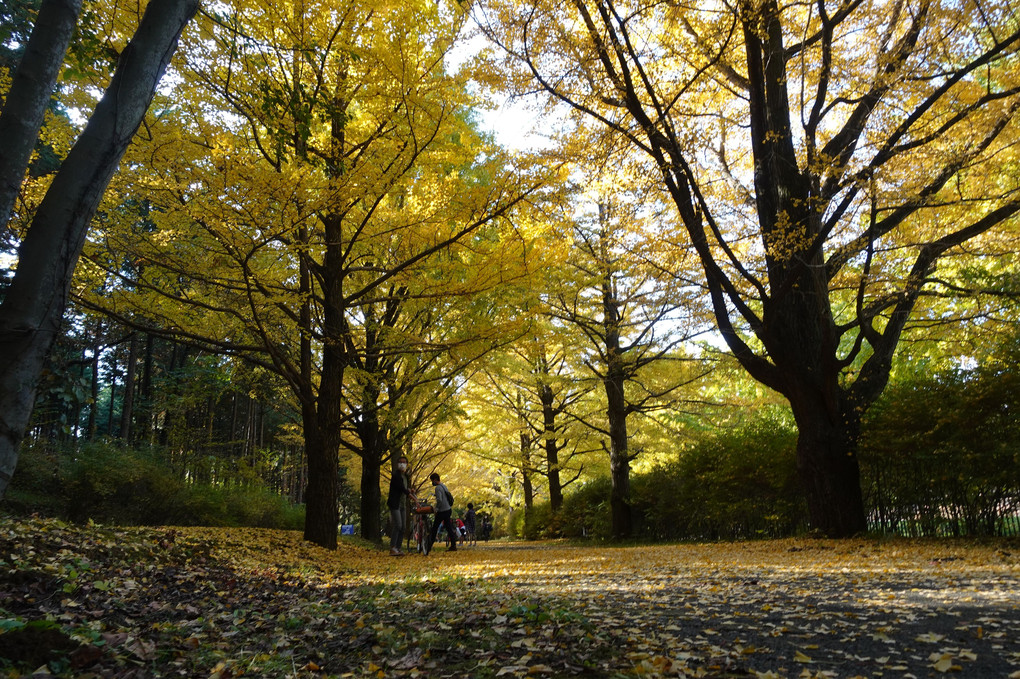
(528, 487)
(525, 449)
(619, 458)
(319, 474)
(29, 96)
(32, 311)
(371, 499)
(616, 406)
(321, 510)
(109, 406)
(127, 409)
(93, 421)
(144, 407)
(552, 456)
(372, 454)
(322, 497)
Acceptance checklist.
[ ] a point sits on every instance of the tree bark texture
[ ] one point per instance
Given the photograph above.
(31, 313)
(322, 447)
(321, 509)
(29, 96)
(373, 445)
(552, 453)
(827, 465)
(619, 458)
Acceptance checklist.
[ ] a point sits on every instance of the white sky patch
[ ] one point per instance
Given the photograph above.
(516, 123)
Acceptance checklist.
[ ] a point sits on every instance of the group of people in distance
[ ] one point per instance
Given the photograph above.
(400, 488)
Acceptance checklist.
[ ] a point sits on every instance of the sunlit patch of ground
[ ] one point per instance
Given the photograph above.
(248, 602)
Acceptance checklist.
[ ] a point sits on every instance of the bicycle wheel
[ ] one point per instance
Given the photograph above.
(421, 535)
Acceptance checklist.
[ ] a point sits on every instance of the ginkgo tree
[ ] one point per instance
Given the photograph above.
(314, 163)
(632, 319)
(822, 159)
(524, 404)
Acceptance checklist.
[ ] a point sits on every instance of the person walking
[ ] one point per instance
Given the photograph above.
(399, 489)
(444, 510)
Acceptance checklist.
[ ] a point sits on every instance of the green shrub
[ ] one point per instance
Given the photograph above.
(940, 454)
(585, 512)
(738, 483)
(112, 483)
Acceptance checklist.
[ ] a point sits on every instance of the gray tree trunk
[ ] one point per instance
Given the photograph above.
(31, 313)
(29, 96)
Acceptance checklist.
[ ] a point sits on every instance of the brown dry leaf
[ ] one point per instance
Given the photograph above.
(263, 602)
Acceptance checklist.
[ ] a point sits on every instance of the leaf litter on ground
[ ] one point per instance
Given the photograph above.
(102, 601)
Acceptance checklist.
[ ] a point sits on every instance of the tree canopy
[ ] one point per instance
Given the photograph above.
(823, 160)
(819, 193)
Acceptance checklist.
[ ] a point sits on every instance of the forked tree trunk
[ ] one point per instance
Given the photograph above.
(31, 314)
(321, 509)
(322, 446)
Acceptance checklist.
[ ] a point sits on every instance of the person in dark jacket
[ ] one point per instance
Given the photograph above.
(399, 489)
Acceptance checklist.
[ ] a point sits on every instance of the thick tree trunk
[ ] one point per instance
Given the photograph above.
(828, 469)
(371, 498)
(32, 311)
(321, 509)
(29, 96)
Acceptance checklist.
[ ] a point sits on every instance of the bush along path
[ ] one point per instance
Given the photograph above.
(98, 601)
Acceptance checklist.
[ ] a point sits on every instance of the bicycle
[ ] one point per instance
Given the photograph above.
(420, 525)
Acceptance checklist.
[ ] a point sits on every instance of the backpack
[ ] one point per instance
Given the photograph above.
(449, 496)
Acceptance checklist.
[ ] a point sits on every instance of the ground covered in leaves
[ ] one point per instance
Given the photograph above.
(99, 601)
